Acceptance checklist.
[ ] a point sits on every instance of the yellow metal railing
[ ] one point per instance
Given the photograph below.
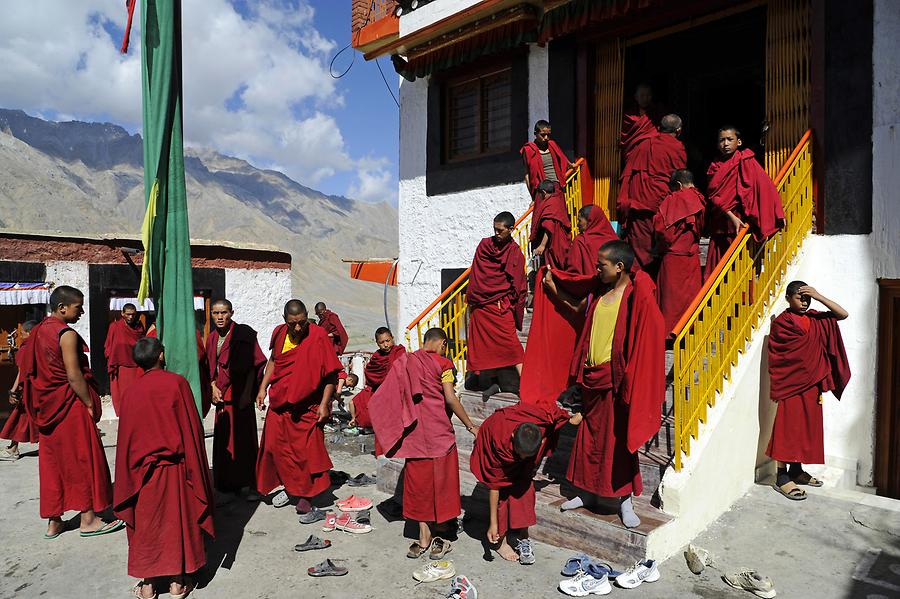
(449, 310)
(734, 301)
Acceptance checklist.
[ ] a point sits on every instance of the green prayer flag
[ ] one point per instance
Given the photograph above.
(166, 272)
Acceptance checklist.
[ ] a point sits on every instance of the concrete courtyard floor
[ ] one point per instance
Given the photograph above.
(833, 545)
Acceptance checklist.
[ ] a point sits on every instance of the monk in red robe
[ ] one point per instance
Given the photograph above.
(740, 192)
(120, 339)
(509, 448)
(639, 121)
(806, 359)
(19, 427)
(496, 297)
(235, 366)
(202, 364)
(162, 492)
(411, 417)
(544, 159)
(676, 243)
(645, 182)
(330, 321)
(551, 226)
(302, 371)
(60, 395)
(376, 370)
(620, 365)
(595, 231)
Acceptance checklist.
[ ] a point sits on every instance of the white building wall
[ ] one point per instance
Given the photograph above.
(74, 274)
(432, 13)
(258, 296)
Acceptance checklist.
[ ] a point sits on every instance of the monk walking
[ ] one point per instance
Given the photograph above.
(163, 492)
(302, 371)
(620, 365)
(544, 159)
(740, 192)
(60, 395)
(120, 339)
(551, 226)
(677, 228)
(806, 359)
(331, 322)
(236, 365)
(376, 370)
(595, 231)
(19, 427)
(496, 298)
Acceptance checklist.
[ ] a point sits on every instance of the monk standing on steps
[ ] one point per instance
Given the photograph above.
(620, 364)
(544, 160)
(411, 416)
(236, 366)
(551, 226)
(120, 339)
(60, 394)
(162, 492)
(19, 427)
(302, 371)
(806, 359)
(331, 322)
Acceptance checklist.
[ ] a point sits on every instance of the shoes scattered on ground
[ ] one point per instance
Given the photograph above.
(313, 542)
(640, 572)
(439, 548)
(461, 588)
(312, 516)
(751, 581)
(327, 568)
(435, 570)
(362, 480)
(588, 582)
(364, 517)
(581, 563)
(9, 455)
(354, 504)
(281, 499)
(526, 552)
(697, 558)
(346, 523)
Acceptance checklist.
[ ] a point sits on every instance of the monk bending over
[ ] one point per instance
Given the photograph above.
(332, 324)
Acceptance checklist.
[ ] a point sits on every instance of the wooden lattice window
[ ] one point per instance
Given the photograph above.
(478, 111)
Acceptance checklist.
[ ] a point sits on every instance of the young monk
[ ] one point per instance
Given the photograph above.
(411, 416)
(331, 322)
(544, 160)
(496, 297)
(302, 371)
(645, 182)
(595, 231)
(676, 241)
(163, 492)
(120, 339)
(376, 370)
(551, 227)
(509, 448)
(60, 395)
(740, 192)
(620, 365)
(19, 427)
(806, 359)
(235, 366)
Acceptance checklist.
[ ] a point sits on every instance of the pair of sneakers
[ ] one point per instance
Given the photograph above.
(593, 579)
(345, 523)
(354, 504)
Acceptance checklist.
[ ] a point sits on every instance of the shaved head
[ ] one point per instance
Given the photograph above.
(294, 308)
(65, 296)
(670, 123)
(224, 303)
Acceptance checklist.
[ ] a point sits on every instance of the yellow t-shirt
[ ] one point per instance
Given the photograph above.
(447, 377)
(603, 326)
(288, 344)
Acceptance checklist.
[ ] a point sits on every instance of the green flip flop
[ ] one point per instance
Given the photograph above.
(105, 529)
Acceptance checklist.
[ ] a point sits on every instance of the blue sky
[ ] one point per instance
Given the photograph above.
(256, 83)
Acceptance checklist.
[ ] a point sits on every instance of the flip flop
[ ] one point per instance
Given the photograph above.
(106, 529)
(793, 493)
(312, 543)
(574, 564)
(327, 568)
(808, 479)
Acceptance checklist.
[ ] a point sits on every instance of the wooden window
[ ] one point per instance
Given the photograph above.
(478, 115)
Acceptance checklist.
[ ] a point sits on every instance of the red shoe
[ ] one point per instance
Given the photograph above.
(346, 523)
(354, 504)
(330, 520)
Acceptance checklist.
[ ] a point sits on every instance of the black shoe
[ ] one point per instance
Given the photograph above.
(487, 393)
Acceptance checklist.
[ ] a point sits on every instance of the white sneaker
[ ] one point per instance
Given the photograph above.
(584, 584)
(640, 572)
(436, 570)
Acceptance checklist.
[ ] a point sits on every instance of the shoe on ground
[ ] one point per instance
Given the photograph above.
(332, 428)
(640, 572)
(354, 504)
(327, 568)
(697, 558)
(312, 516)
(350, 431)
(346, 523)
(9, 455)
(526, 552)
(752, 581)
(585, 584)
(435, 570)
(281, 499)
(461, 588)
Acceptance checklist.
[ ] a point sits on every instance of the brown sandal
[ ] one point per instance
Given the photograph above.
(791, 491)
(807, 479)
(439, 548)
(416, 551)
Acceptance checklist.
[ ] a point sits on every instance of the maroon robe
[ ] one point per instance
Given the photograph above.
(292, 448)
(677, 229)
(806, 359)
(496, 465)
(332, 324)
(162, 492)
(582, 258)
(550, 215)
(74, 473)
(740, 185)
(622, 399)
(496, 297)
(636, 127)
(534, 164)
(236, 370)
(376, 369)
(19, 426)
(120, 340)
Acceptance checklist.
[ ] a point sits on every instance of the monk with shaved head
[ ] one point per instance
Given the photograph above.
(333, 326)
(120, 365)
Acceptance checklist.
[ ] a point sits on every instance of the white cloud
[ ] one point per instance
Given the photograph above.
(57, 58)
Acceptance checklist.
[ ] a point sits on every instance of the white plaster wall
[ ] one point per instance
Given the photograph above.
(258, 296)
(432, 13)
(74, 274)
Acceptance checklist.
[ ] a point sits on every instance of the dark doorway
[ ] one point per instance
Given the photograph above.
(710, 75)
(887, 411)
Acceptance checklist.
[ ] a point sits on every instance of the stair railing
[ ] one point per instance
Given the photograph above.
(734, 300)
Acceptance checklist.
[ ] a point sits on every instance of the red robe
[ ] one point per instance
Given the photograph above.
(677, 229)
(162, 492)
(376, 369)
(496, 297)
(74, 473)
(582, 258)
(495, 464)
(203, 366)
(236, 370)
(550, 215)
(622, 399)
(806, 359)
(739, 184)
(332, 324)
(534, 164)
(120, 340)
(636, 128)
(292, 448)
(19, 426)
(411, 419)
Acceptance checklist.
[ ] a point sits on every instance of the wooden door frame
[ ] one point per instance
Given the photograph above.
(887, 408)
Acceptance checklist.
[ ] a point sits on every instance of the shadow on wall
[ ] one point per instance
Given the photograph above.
(765, 466)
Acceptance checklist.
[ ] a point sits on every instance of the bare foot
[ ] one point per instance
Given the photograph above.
(507, 552)
(144, 590)
(55, 527)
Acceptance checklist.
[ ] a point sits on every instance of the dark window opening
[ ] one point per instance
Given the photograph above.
(479, 115)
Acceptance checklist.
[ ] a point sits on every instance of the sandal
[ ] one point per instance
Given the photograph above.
(416, 551)
(137, 591)
(188, 589)
(364, 517)
(791, 491)
(807, 479)
(327, 568)
(107, 528)
(439, 548)
(311, 543)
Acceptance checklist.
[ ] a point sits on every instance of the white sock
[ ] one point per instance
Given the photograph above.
(626, 511)
(574, 503)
